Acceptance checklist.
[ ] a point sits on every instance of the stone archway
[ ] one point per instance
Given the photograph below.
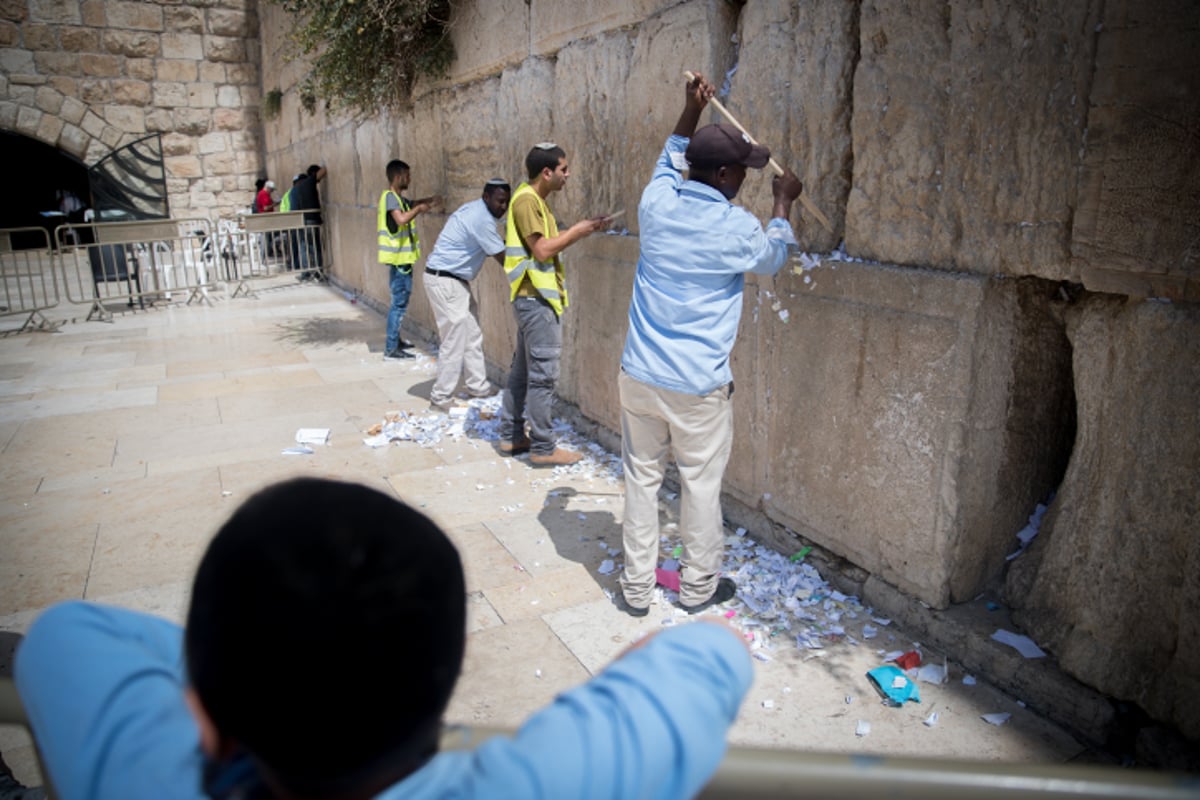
(37, 171)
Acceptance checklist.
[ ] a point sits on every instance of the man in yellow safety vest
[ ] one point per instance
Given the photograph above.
(533, 265)
(399, 249)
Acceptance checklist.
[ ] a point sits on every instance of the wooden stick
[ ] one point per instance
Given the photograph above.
(809, 206)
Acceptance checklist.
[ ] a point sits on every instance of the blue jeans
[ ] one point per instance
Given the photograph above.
(530, 390)
(401, 289)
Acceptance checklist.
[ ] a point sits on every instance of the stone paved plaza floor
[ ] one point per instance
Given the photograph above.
(125, 444)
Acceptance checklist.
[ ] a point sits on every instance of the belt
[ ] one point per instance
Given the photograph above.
(441, 273)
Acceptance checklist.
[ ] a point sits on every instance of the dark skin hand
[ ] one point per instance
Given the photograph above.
(785, 188)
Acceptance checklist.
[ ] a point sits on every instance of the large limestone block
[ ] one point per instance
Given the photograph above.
(882, 420)
(487, 37)
(470, 118)
(1112, 583)
(600, 274)
(793, 90)
(1139, 198)
(553, 25)
(967, 125)
(528, 97)
(590, 79)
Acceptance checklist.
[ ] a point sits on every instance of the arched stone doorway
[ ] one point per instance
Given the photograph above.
(40, 173)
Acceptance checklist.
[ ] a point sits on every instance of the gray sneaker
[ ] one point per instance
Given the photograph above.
(398, 355)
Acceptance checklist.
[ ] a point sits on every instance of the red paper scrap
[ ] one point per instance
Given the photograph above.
(909, 660)
(667, 578)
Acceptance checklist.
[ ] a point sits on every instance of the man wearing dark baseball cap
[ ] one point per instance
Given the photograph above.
(675, 382)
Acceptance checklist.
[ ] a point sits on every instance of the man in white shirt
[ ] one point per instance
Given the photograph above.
(468, 238)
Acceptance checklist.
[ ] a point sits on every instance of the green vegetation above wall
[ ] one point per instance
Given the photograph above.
(366, 54)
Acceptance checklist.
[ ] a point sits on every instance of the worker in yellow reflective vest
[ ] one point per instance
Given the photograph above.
(533, 265)
(399, 249)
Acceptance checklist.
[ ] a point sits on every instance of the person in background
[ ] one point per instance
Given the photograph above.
(325, 634)
(399, 248)
(537, 288)
(263, 201)
(467, 239)
(675, 383)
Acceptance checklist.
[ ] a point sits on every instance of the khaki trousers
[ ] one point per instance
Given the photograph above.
(698, 432)
(460, 353)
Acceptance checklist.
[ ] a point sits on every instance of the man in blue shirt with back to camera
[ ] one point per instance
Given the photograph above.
(675, 382)
(467, 239)
(325, 635)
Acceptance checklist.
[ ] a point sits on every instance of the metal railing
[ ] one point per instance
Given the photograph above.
(27, 277)
(278, 243)
(137, 262)
(751, 774)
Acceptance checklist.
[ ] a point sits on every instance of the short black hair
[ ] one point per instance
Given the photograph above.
(313, 169)
(495, 185)
(394, 168)
(326, 631)
(543, 157)
(260, 183)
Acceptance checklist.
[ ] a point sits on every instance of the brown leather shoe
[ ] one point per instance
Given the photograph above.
(558, 458)
(514, 448)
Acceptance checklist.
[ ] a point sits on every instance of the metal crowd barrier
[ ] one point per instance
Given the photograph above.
(27, 277)
(278, 243)
(140, 262)
(752, 774)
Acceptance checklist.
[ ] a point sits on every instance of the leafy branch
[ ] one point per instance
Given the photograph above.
(367, 54)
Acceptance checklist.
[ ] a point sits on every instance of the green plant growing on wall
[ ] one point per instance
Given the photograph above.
(272, 103)
(366, 54)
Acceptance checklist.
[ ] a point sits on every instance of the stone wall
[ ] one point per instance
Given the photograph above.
(1008, 185)
(88, 77)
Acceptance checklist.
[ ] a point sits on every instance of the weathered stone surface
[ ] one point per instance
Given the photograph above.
(1111, 584)
(49, 129)
(211, 72)
(487, 38)
(73, 140)
(92, 12)
(92, 124)
(49, 100)
(793, 90)
(224, 48)
(79, 40)
(183, 166)
(183, 19)
(95, 92)
(10, 35)
(160, 120)
(226, 22)
(559, 24)
(14, 10)
(213, 143)
(170, 95)
(138, 16)
(1136, 230)
(177, 144)
(229, 97)
(28, 120)
(176, 70)
(182, 45)
(8, 114)
(219, 164)
(201, 95)
(141, 69)
(194, 121)
(72, 110)
(15, 60)
(55, 63)
(229, 119)
(100, 66)
(239, 73)
(62, 11)
(129, 119)
(131, 93)
(134, 44)
(40, 37)
(967, 121)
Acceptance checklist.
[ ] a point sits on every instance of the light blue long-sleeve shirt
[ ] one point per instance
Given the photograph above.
(468, 237)
(696, 247)
(103, 688)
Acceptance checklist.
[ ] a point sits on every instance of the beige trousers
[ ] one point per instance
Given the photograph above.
(698, 433)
